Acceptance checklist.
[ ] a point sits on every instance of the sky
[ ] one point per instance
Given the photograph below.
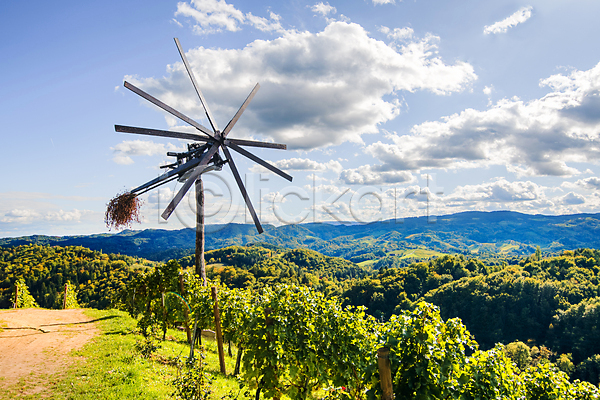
(390, 109)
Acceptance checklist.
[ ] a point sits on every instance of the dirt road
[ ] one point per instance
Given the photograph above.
(35, 343)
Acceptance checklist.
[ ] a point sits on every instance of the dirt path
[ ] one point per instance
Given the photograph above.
(35, 342)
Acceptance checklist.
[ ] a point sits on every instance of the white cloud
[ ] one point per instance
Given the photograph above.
(376, 2)
(22, 216)
(324, 9)
(517, 18)
(305, 164)
(373, 175)
(212, 16)
(127, 148)
(572, 199)
(591, 183)
(539, 137)
(397, 34)
(317, 89)
(498, 191)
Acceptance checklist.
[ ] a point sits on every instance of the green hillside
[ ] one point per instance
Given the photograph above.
(493, 236)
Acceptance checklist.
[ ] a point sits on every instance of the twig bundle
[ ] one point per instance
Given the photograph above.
(122, 210)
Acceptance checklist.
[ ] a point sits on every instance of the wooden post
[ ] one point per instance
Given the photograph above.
(65, 297)
(385, 373)
(218, 330)
(200, 266)
(16, 295)
(186, 314)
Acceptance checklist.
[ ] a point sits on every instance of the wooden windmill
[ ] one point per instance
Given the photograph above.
(202, 156)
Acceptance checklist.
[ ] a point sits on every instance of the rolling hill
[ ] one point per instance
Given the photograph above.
(500, 234)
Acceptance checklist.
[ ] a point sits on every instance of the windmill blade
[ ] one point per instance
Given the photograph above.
(168, 109)
(164, 177)
(186, 186)
(238, 114)
(254, 143)
(240, 184)
(209, 115)
(158, 132)
(259, 161)
(149, 188)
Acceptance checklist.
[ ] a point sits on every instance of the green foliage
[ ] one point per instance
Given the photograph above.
(155, 296)
(565, 364)
(427, 354)
(24, 298)
(576, 330)
(519, 353)
(492, 375)
(588, 370)
(192, 383)
(146, 346)
(295, 340)
(96, 277)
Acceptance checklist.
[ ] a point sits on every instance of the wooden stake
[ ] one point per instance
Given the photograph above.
(385, 373)
(200, 266)
(16, 295)
(65, 297)
(218, 330)
(185, 312)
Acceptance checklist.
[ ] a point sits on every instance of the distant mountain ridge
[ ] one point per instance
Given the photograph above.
(500, 232)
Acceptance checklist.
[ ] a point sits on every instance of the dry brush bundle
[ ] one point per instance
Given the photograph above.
(122, 210)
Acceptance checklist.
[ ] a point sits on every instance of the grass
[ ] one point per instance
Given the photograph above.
(108, 367)
(415, 253)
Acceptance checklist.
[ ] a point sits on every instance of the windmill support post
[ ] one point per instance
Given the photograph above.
(200, 265)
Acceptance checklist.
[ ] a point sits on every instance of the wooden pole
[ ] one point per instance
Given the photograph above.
(16, 295)
(65, 297)
(385, 373)
(218, 330)
(200, 266)
(186, 314)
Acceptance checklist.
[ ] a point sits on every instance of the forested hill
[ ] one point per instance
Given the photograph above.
(504, 233)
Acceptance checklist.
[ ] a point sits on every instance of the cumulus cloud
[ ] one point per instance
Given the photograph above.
(397, 34)
(515, 19)
(305, 164)
(127, 148)
(212, 16)
(591, 183)
(539, 137)
(324, 9)
(374, 175)
(377, 2)
(499, 191)
(572, 199)
(317, 89)
(30, 215)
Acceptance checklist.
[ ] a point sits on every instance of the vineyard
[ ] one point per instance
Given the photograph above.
(293, 341)
(305, 325)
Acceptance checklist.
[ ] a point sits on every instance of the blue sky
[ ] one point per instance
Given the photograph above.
(389, 108)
